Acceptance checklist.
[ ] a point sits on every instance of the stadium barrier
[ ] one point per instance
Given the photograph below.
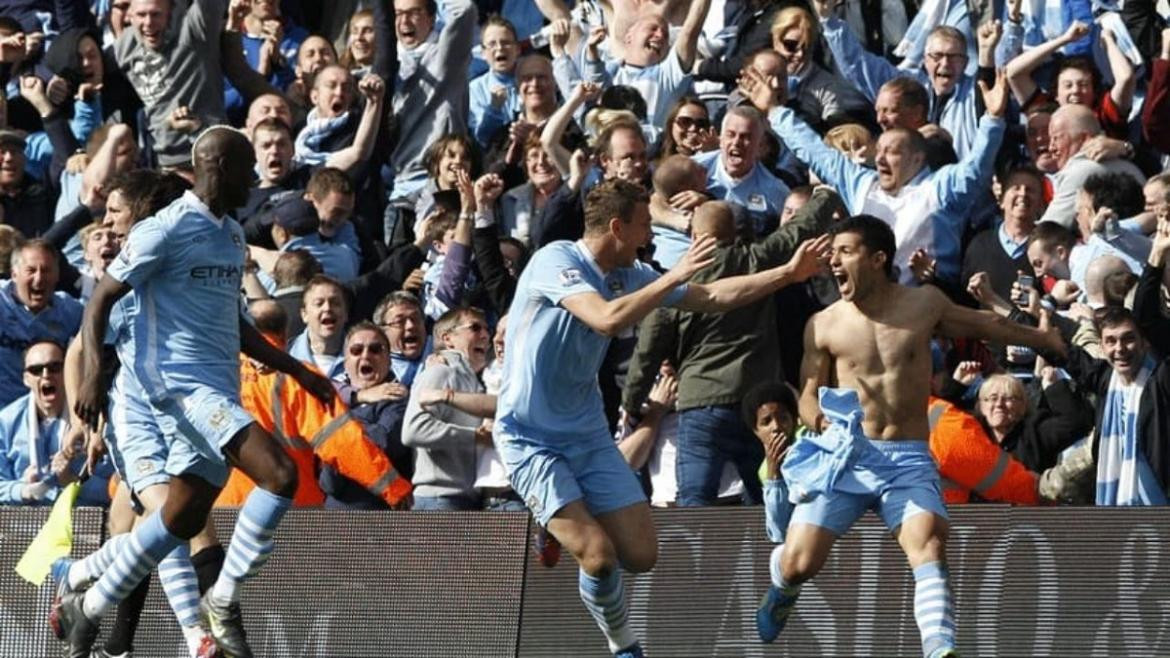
(1029, 582)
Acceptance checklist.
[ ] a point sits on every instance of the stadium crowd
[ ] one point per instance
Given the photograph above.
(411, 156)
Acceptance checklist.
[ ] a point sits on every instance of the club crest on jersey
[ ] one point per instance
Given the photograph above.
(570, 277)
(217, 419)
(144, 466)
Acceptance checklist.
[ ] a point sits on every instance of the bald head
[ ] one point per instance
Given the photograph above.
(223, 161)
(678, 173)
(269, 317)
(714, 218)
(1107, 281)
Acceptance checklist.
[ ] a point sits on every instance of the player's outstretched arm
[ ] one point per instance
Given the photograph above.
(735, 291)
(91, 398)
(815, 371)
(253, 344)
(961, 322)
(611, 317)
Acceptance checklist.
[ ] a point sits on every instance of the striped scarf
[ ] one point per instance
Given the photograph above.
(1123, 475)
(310, 141)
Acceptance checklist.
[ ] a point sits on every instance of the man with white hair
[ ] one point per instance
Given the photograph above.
(1071, 127)
(735, 174)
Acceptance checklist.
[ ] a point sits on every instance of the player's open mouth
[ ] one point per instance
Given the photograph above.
(841, 277)
(337, 106)
(366, 370)
(48, 390)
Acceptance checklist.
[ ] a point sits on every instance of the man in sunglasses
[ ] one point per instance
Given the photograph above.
(955, 102)
(33, 467)
(445, 435)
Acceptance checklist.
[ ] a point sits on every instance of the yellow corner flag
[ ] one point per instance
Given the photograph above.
(54, 540)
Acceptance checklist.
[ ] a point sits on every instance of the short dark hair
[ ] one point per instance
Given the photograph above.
(499, 21)
(326, 180)
(910, 93)
(366, 325)
(324, 280)
(1080, 63)
(1052, 235)
(41, 340)
(876, 236)
(1112, 316)
(609, 199)
(622, 97)
(147, 191)
(295, 267)
(763, 393)
(1119, 192)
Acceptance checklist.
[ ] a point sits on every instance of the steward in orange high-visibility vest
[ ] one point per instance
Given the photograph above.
(309, 430)
(969, 461)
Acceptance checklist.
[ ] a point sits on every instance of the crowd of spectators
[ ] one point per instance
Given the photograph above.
(411, 155)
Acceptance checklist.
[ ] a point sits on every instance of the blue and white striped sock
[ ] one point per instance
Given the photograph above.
(144, 547)
(605, 599)
(933, 609)
(180, 584)
(92, 566)
(251, 543)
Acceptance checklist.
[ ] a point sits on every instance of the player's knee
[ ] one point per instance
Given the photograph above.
(800, 565)
(931, 550)
(282, 476)
(597, 555)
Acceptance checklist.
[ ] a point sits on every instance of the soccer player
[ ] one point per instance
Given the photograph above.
(139, 451)
(872, 451)
(185, 266)
(550, 428)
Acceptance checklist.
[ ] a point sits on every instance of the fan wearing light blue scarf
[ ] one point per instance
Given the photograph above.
(1133, 389)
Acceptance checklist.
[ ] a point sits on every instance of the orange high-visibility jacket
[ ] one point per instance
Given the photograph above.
(969, 460)
(309, 430)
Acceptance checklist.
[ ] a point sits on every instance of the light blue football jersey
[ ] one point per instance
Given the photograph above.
(551, 357)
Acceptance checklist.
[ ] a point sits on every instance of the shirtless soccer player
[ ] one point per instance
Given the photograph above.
(874, 344)
(550, 426)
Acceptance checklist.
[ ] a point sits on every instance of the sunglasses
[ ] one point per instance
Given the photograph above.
(475, 327)
(54, 368)
(686, 123)
(792, 45)
(376, 349)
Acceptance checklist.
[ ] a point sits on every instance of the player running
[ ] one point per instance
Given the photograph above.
(551, 430)
(184, 265)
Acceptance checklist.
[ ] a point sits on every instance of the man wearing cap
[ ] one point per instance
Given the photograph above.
(27, 204)
(295, 225)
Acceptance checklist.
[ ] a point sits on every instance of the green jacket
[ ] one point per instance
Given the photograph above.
(719, 356)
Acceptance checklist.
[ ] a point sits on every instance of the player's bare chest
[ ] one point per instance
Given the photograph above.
(872, 346)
